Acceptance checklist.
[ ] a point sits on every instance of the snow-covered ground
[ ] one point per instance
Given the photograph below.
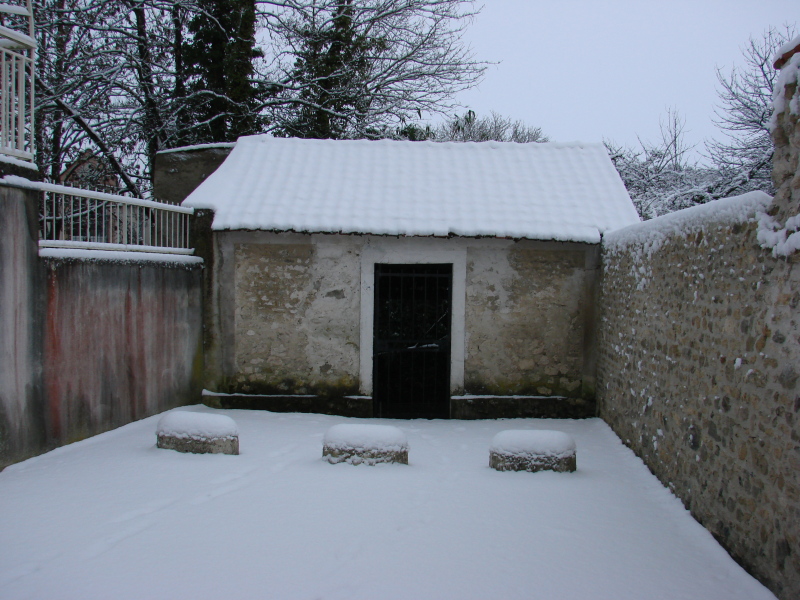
(115, 517)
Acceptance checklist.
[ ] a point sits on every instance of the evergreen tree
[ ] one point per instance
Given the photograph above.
(219, 60)
(360, 68)
(331, 61)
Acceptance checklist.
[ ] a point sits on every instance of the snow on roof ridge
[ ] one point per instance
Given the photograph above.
(266, 138)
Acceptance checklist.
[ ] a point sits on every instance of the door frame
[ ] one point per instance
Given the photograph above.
(413, 251)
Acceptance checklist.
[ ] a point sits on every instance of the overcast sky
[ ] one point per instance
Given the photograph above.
(592, 69)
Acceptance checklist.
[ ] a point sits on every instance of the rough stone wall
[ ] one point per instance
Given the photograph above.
(123, 341)
(786, 159)
(296, 317)
(528, 312)
(699, 358)
(21, 399)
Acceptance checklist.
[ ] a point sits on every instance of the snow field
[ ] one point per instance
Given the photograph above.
(114, 517)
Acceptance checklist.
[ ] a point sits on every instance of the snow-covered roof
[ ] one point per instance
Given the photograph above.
(566, 192)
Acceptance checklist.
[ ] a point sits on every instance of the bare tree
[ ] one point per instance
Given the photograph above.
(745, 95)
(126, 78)
(68, 44)
(358, 68)
(495, 127)
(105, 81)
(660, 176)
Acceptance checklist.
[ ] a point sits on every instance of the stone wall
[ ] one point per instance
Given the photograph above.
(698, 373)
(786, 138)
(292, 315)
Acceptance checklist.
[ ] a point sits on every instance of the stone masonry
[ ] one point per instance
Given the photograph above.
(699, 362)
(698, 373)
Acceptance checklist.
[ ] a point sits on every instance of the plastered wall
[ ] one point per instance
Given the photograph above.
(292, 313)
(296, 315)
(530, 311)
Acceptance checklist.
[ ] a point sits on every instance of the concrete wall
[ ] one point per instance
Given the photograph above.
(88, 345)
(292, 314)
(176, 173)
(22, 431)
(698, 374)
(122, 341)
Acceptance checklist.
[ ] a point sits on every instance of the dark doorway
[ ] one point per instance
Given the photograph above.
(411, 341)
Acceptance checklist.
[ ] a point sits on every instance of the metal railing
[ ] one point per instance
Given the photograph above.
(17, 54)
(76, 218)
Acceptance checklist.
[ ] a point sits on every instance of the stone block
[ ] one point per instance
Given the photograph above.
(532, 450)
(367, 444)
(198, 433)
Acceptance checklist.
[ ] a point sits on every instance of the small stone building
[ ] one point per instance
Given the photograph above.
(406, 279)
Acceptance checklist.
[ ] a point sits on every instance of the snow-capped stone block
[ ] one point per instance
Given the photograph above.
(368, 444)
(198, 433)
(532, 450)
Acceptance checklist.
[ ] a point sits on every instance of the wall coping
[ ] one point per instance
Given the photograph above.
(652, 233)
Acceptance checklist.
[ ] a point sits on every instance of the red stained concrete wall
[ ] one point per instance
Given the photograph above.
(88, 345)
(122, 341)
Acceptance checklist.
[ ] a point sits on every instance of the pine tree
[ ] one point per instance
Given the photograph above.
(219, 63)
(362, 68)
(330, 64)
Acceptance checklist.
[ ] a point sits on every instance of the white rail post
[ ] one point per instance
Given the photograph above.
(18, 53)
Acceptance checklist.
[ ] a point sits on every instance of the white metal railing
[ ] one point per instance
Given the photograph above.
(17, 55)
(75, 218)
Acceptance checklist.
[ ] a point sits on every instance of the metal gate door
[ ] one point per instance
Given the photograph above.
(411, 340)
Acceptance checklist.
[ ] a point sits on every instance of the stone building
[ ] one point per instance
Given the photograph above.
(406, 279)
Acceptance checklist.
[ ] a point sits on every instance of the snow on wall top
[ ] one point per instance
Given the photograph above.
(566, 192)
(198, 147)
(652, 234)
(789, 64)
(786, 51)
